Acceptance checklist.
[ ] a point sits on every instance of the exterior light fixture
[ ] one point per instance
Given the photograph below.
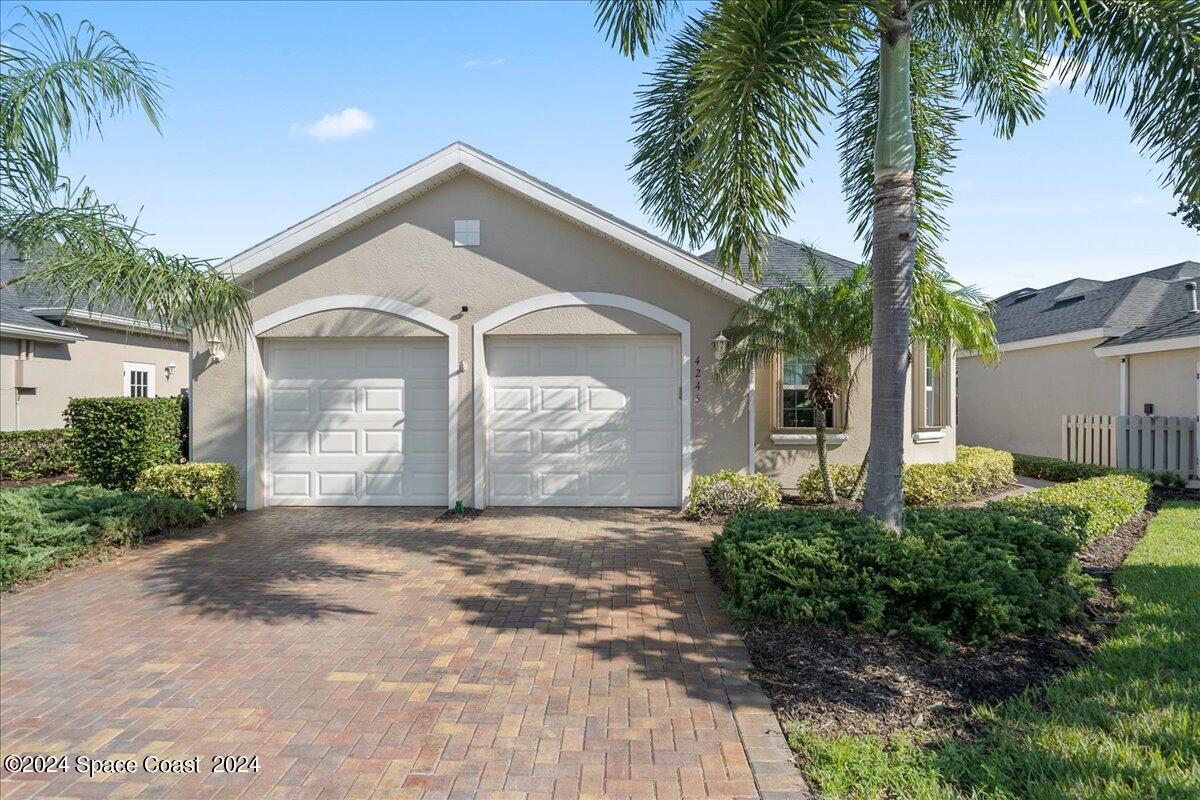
(170, 370)
(214, 350)
(719, 343)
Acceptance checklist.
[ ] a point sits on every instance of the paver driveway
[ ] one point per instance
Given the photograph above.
(377, 653)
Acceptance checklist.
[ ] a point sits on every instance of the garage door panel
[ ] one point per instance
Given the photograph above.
(583, 421)
(357, 423)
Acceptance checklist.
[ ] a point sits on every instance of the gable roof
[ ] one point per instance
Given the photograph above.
(413, 180)
(1148, 306)
(787, 261)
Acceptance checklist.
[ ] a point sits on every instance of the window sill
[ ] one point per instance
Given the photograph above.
(928, 437)
(806, 438)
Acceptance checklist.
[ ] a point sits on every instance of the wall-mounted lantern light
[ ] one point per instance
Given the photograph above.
(214, 350)
(719, 343)
(170, 370)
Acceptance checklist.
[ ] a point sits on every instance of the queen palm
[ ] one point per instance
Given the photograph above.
(734, 108)
(55, 86)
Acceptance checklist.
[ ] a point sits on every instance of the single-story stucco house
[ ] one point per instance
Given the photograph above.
(1129, 346)
(50, 353)
(462, 331)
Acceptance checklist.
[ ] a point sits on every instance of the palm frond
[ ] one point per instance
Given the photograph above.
(764, 79)
(633, 25)
(56, 84)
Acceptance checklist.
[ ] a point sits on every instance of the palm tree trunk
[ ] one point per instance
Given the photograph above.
(823, 457)
(893, 258)
(860, 480)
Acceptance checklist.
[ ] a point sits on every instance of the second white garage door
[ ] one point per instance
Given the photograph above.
(356, 422)
(584, 421)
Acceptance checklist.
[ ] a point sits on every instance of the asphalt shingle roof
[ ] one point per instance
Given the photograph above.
(788, 260)
(1154, 303)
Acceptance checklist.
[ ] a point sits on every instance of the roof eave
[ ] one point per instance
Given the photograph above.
(18, 331)
(1151, 346)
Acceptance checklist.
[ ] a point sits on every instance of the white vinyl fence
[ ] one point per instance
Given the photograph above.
(1161, 444)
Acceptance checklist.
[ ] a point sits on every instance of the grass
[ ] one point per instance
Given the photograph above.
(1125, 725)
(43, 527)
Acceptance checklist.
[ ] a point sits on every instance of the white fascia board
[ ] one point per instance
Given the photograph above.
(444, 164)
(1156, 346)
(1050, 341)
(18, 331)
(123, 323)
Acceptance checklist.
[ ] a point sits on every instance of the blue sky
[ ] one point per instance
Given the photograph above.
(243, 153)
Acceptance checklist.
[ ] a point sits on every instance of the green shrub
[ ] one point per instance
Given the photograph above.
(212, 486)
(1085, 509)
(44, 526)
(25, 455)
(1055, 469)
(954, 574)
(975, 471)
(115, 438)
(726, 493)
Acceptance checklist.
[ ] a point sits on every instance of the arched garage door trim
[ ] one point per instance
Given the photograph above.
(560, 300)
(255, 376)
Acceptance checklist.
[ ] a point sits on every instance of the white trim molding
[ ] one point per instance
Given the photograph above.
(104, 320)
(256, 377)
(1050, 341)
(926, 437)
(443, 165)
(560, 300)
(1155, 346)
(18, 331)
(807, 439)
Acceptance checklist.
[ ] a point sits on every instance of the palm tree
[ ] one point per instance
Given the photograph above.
(57, 85)
(734, 107)
(828, 323)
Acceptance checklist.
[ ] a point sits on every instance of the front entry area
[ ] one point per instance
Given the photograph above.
(583, 420)
(356, 422)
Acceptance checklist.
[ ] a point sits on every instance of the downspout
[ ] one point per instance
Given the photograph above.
(1124, 400)
(750, 402)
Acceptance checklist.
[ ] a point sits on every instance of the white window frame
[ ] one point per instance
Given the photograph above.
(833, 413)
(466, 233)
(131, 367)
(939, 390)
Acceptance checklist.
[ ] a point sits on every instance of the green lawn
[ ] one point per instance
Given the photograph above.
(1126, 725)
(42, 527)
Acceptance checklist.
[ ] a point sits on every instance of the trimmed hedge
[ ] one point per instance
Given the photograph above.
(975, 471)
(115, 438)
(726, 493)
(1055, 469)
(25, 455)
(42, 527)
(211, 486)
(954, 574)
(1085, 509)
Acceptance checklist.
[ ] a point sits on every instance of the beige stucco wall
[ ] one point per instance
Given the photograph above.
(1166, 379)
(1018, 404)
(788, 462)
(407, 255)
(89, 368)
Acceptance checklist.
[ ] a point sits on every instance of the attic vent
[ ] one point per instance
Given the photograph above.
(1024, 294)
(466, 233)
(1066, 301)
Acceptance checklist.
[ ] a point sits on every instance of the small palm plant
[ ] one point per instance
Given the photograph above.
(828, 323)
(55, 86)
(735, 107)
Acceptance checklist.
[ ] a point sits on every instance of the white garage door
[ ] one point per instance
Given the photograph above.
(356, 422)
(584, 421)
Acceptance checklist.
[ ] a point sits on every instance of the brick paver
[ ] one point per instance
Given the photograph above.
(376, 653)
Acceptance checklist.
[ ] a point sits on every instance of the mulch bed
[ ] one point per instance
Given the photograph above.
(840, 681)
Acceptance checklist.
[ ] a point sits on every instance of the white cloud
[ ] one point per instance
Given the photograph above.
(483, 62)
(1053, 72)
(1137, 201)
(344, 124)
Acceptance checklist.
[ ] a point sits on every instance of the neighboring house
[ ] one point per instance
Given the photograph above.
(50, 353)
(462, 331)
(1129, 346)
